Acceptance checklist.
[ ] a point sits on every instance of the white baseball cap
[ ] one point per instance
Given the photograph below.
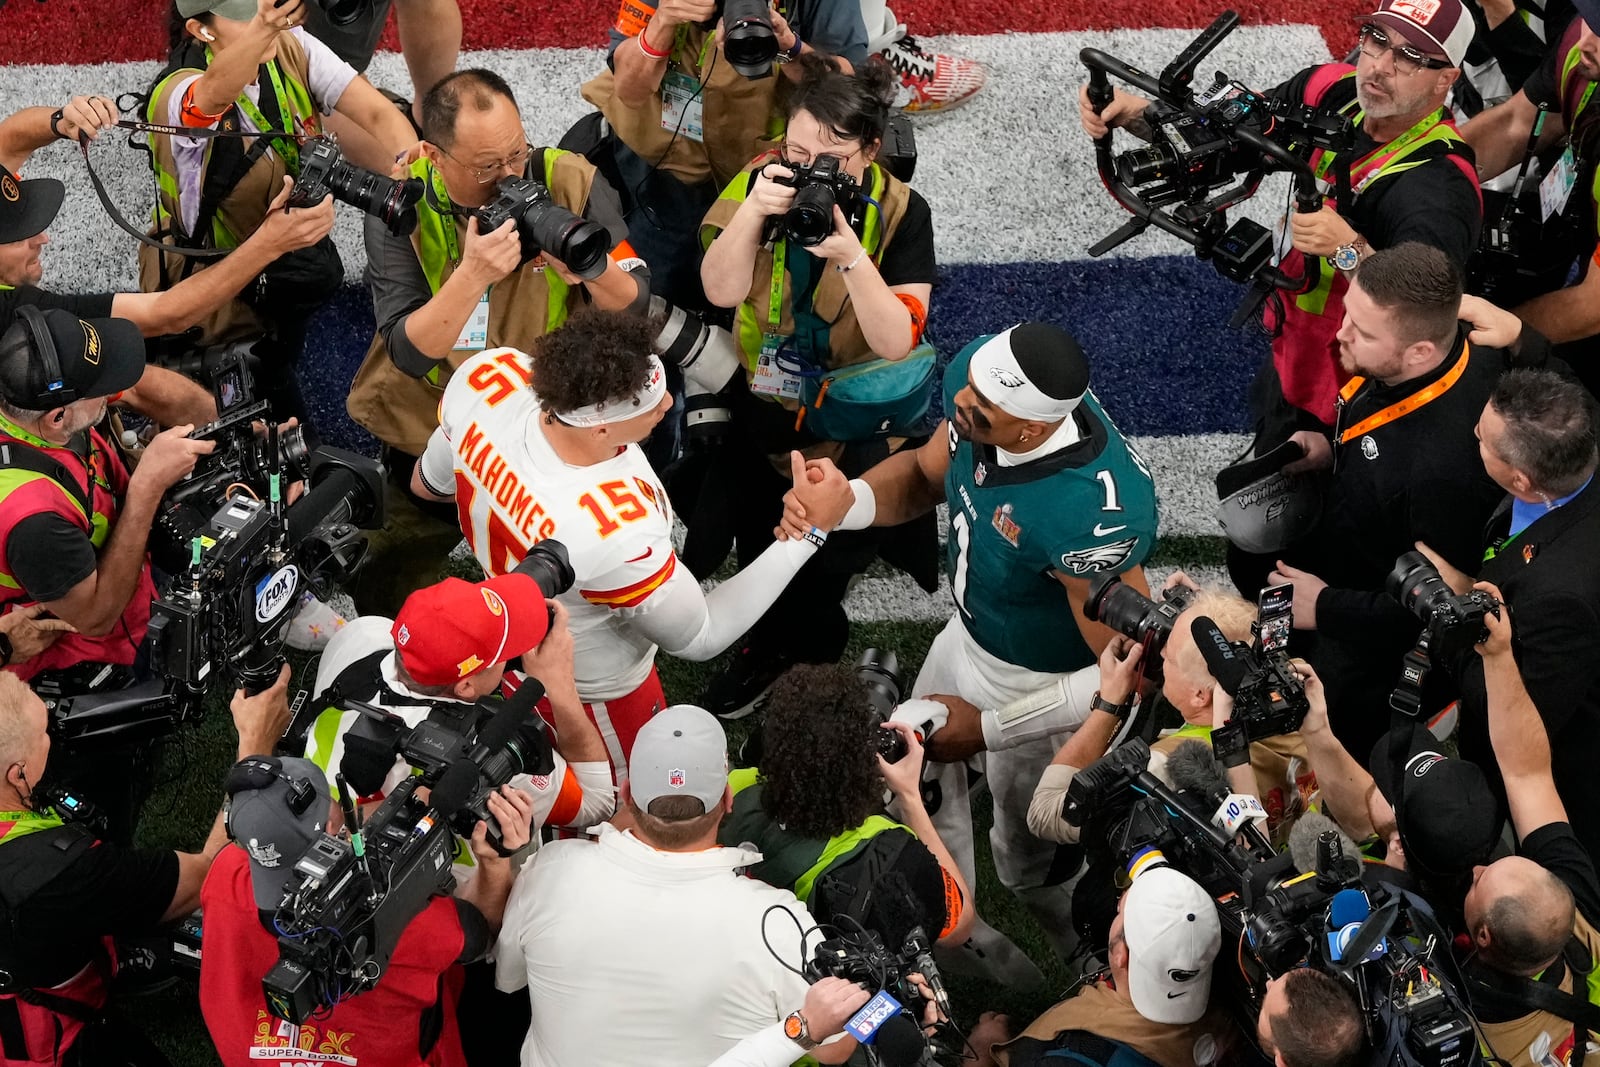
(1173, 936)
(681, 751)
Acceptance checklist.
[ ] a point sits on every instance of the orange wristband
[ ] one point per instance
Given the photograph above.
(919, 316)
(193, 116)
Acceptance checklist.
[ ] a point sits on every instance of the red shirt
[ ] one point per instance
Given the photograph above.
(378, 1028)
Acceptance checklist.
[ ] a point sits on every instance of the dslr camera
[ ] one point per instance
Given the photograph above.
(324, 172)
(545, 226)
(1134, 615)
(818, 186)
(881, 683)
(1268, 697)
(1451, 624)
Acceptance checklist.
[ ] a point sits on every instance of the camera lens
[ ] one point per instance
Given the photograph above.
(549, 566)
(879, 671)
(809, 220)
(344, 12)
(1140, 166)
(392, 202)
(1417, 585)
(748, 39)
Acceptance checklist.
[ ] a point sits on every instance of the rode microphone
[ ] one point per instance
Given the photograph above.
(1222, 658)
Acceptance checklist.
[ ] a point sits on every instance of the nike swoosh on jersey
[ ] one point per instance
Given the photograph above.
(641, 557)
(1107, 531)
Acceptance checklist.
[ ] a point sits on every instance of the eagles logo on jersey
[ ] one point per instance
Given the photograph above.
(1085, 509)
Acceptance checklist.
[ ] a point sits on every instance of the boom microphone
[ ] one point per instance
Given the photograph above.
(1303, 840)
(1222, 659)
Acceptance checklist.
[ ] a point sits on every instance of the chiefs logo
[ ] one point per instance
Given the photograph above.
(470, 665)
(497, 607)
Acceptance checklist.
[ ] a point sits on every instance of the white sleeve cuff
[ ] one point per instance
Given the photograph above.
(863, 511)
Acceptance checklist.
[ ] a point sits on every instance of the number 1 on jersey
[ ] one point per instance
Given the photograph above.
(958, 530)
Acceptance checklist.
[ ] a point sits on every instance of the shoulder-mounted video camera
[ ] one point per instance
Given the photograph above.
(1183, 182)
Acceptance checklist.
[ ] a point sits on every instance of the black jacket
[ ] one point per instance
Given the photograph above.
(1550, 575)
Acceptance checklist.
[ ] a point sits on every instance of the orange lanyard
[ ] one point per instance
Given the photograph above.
(1399, 407)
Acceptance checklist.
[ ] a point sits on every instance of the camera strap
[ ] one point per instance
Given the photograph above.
(1518, 993)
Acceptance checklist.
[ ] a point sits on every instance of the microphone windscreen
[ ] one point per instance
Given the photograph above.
(366, 762)
(1222, 659)
(454, 788)
(1193, 768)
(1348, 906)
(899, 1041)
(1303, 840)
(509, 719)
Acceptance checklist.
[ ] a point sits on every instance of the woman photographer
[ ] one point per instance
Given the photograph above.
(247, 65)
(814, 807)
(829, 324)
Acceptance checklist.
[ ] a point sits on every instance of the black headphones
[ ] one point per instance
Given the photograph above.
(56, 391)
(259, 772)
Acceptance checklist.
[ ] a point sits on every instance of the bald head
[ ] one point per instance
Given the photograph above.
(19, 718)
(1520, 915)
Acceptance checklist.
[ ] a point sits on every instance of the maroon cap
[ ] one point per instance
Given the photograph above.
(1438, 27)
(455, 629)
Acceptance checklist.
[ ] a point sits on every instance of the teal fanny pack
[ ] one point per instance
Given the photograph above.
(880, 398)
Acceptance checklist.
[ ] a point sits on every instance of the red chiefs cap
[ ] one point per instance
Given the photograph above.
(455, 629)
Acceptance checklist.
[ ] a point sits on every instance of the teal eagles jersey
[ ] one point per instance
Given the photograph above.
(1081, 511)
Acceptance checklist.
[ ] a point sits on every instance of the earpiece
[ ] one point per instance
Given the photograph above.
(207, 35)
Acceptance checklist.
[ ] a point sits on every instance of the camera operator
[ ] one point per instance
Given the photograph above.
(1153, 998)
(1532, 918)
(27, 209)
(451, 290)
(449, 648)
(858, 295)
(813, 808)
(249, 65)
(1537, 439)
(1275, 771)
(1045, 495)
(1415, 182)
(1403, 468)
(1309, 1019)
(276, 809)
(68, 893)
(542, 446)
(680, 121)
(1560, 209)
(659, 910)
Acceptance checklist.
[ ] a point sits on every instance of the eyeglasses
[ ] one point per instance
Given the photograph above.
(1407, 60)
(802, 158)
(485, 174)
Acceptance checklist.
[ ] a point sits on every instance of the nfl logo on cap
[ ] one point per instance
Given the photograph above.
(675, 778)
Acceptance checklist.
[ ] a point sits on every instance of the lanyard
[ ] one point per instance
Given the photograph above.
(1400, 407)
(1376, 159)
(286, 147)
(441, 196)
(780, 256)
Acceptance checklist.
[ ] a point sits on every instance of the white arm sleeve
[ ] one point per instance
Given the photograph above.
(694, 626)
(599, 794)
(439, 465)
(1057, 708)
(764, 1048)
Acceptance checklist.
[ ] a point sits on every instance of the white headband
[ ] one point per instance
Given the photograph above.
(648, 396)
(998, 376)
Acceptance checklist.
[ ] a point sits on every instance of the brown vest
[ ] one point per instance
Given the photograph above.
(740, 115)
(241, 211)
(1098, 1009)
(1511, 1039)
(403, 411)
(1273, 760)
(831, 299)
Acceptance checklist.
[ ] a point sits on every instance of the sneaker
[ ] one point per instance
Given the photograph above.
(313, 626)
(931, 81)
(741, 688)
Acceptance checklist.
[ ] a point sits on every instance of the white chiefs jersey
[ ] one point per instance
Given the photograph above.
(513, 491)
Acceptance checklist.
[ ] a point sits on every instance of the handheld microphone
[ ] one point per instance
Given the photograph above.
(884, 1024)
(1347, 911)
(917, 944)
(1193, 768)
(1304, 840)
(1222, 659)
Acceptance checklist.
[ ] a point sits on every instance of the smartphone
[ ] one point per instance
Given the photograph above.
(1274, 617)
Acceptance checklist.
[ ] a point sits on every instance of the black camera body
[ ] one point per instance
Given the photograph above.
(545, 226)
(818, 186)
(1268, 697)
(1451, 624)
(325, 172)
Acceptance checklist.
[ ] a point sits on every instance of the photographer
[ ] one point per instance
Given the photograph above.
(856, 299)
(278, 807)
(813, 807)
(450, 290)
(447, 649)
(27, 209)
(1532, 918)
(658, 910)
(1537, 439)
(1309, 1019)
(1415, 178)
(249, 65)
(1045, 496)
(1279, 780)
(1153, 998)
(564, 423)
(1402, 467)
(680, 120)
(68, 893)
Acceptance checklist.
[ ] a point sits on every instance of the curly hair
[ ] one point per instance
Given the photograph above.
(853, 107)
(819, 770)
(597, 357)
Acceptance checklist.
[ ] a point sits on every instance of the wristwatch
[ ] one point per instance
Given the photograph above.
(1348, 257)
(1100, 703)
(792, 53)
(796, 1030)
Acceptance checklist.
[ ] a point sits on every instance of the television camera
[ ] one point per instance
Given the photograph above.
(1308, 906)
(1183, 181)
(239, 556)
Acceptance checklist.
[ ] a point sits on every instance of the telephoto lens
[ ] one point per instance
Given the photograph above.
(747, 37)
(546, 226)
(324, 172)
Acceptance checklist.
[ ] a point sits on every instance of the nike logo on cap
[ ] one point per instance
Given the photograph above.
(1107, 531)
